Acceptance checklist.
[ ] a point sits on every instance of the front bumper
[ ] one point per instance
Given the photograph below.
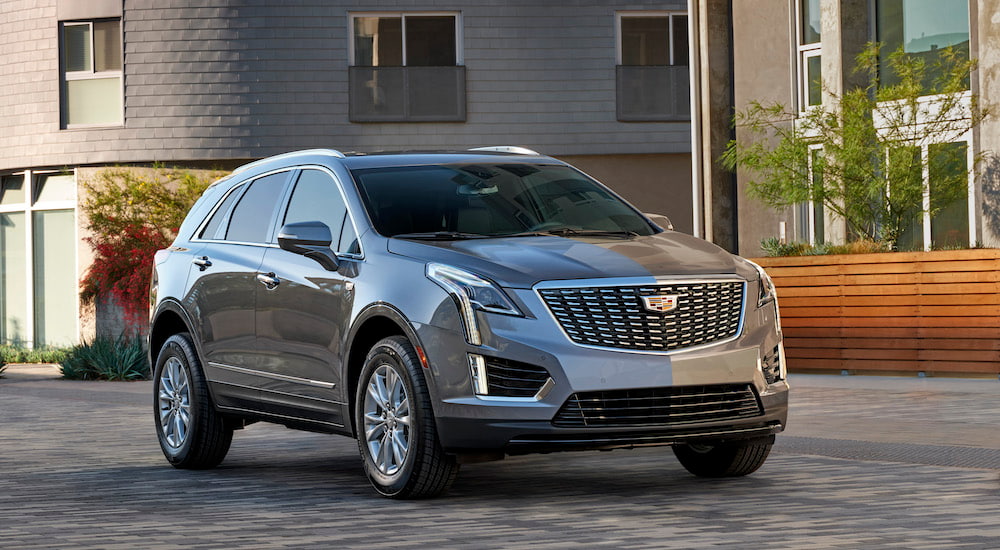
(468, 423)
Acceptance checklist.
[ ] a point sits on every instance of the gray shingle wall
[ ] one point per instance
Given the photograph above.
(233, 80)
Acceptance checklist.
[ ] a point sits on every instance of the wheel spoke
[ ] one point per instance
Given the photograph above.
(374, 432)
(384, 453)
(398, 447)
(373, 393)
(391, 385)
(180, 431)
(381, 392)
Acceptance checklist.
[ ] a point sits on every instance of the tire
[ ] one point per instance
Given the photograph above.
(725, 460)
(192, 434)
(396, 433)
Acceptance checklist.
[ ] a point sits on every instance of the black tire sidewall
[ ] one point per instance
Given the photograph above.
(390, 352)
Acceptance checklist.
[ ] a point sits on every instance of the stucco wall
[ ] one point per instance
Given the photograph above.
(762, 67)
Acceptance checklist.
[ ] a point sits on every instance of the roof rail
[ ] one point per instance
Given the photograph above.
(331, 152)
(513, 149)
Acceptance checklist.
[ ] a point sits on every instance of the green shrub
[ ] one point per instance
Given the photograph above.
(773, 247)
(16, 354)
(107, 358)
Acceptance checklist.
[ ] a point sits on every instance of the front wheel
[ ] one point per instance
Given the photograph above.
(724, 460)
(395, 424)
(192, 434)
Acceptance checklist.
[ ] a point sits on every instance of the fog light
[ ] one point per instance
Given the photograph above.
(477, 366)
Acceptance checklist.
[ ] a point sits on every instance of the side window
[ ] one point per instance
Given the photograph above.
(252, 216)
(317, 198)
(211, 230)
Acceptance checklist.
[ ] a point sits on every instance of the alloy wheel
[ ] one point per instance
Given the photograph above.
(387, 419)
(174, 403)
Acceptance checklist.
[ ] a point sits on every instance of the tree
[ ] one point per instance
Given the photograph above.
(132, 213)
(870, 171)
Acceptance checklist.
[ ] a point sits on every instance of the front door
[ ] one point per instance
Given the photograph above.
(304, 311)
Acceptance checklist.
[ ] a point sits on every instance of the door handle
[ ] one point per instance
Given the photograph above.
(268, 280)
(203, 263)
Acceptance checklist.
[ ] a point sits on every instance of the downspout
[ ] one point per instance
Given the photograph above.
(694, 66)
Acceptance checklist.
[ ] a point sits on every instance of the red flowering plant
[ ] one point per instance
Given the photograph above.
(132, 213)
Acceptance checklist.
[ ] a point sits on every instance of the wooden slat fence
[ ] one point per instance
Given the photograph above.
(932, 312)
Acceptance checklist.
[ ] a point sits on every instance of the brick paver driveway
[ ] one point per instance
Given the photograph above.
(866, 463)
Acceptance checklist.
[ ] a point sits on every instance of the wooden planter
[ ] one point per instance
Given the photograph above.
(908, 312)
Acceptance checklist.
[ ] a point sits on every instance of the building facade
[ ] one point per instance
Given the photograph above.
(601, 84)
(801, 53)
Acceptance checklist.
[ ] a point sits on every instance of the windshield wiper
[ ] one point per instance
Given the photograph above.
(570, 232)
(441, 236)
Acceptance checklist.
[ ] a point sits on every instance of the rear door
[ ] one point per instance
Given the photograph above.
(303, 313)
(223, 282)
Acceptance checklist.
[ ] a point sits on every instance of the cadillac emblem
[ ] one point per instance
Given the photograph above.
(660, 304)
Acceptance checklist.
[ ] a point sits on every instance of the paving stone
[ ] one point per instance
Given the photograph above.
(80, 468)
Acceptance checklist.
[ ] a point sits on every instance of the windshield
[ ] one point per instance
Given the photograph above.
(475, 200)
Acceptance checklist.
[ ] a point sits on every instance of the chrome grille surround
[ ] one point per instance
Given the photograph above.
(609, 313)
(669, 406)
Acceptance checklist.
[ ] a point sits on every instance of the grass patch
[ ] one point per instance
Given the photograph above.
(107, 358)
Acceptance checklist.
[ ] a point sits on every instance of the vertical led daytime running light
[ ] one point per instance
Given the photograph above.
(477, 364)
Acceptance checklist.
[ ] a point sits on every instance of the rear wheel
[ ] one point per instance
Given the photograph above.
(397, 435)
(724, 460)
(192, 434)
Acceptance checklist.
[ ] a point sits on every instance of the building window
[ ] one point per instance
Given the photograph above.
(406, 67)
(653, 81)
(921, 28)
(92, 73)
(810, 217)
(38, 273)
(941, 170)
(810, 64)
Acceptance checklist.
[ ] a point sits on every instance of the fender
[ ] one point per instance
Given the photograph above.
(173, 306)
(378, 309)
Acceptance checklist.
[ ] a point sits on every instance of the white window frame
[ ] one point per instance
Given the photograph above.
(459, 39)
(961, 109)
(811, 205)
(802, 55)
(28, 208)
(669, 14)
(92, 74)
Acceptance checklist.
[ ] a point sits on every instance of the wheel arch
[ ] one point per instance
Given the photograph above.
(170, 319)
(373, 324)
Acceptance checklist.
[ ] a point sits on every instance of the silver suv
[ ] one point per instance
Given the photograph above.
(451, 307)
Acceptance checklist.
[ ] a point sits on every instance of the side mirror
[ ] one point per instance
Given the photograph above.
(310, 239)
(660, 220)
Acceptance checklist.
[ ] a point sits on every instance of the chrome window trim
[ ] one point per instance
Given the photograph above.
(347, 204)
(242, 183)
(643, 281)
(196, 236)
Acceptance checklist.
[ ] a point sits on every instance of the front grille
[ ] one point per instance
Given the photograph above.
(615, 317)
(671, 406)
(508, 378)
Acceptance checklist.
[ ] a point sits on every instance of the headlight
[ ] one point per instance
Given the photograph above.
(471, 292)
(765, 290)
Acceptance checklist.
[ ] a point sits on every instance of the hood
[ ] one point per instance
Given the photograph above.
(521, 262)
